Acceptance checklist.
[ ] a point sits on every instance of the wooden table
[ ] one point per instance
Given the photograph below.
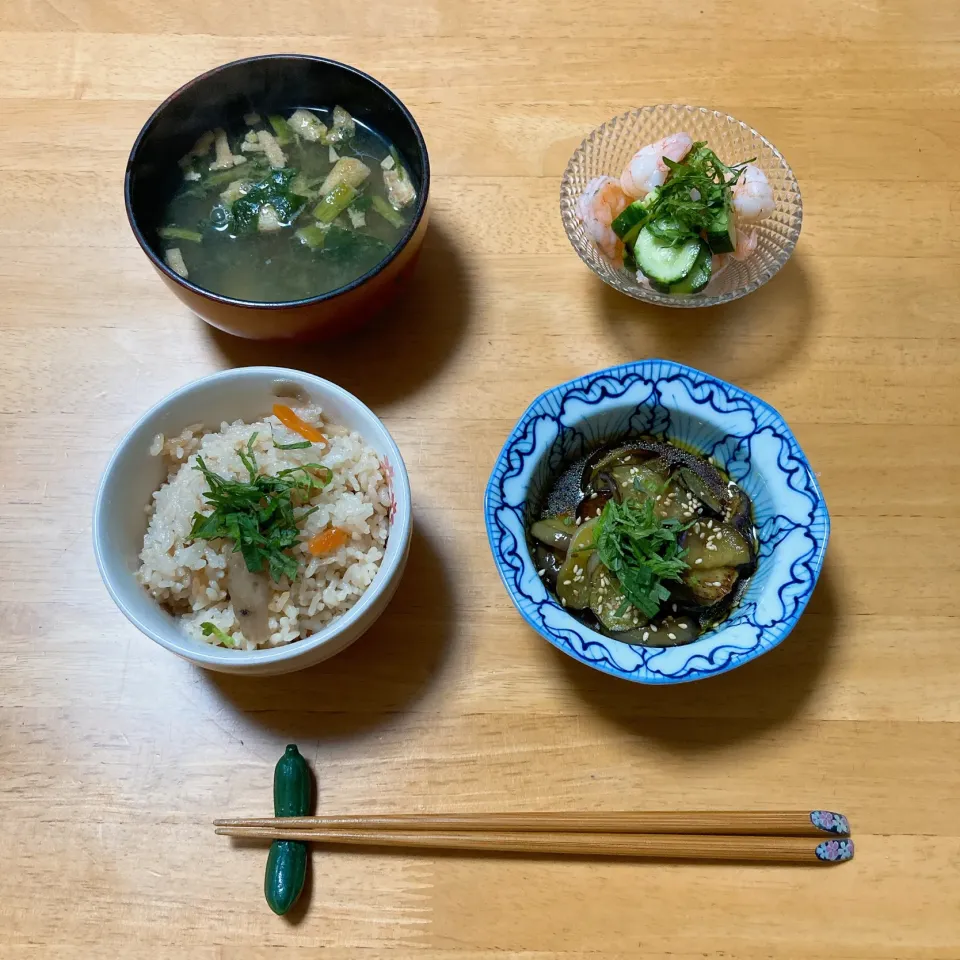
(114, 755)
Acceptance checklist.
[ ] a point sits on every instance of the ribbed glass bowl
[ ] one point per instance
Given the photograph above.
(607, 150)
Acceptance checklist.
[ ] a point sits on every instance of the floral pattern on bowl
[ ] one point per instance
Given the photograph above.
(744, 435)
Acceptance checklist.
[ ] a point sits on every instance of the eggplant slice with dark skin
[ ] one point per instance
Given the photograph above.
(719, 539)
(718, 554)
(554, 532)
(701, 592)
(549, 562)
(591, 507)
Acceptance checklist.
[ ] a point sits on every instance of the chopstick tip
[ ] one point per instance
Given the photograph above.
(834, 851)
(830, 822)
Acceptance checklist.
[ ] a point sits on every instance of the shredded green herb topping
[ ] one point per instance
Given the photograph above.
(261, 516)
(642, 550)
(299, 445)
(698, 189)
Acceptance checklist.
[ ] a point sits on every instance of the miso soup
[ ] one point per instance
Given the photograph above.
(288, 207)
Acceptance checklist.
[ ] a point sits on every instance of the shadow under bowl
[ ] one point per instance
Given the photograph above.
(276, 83)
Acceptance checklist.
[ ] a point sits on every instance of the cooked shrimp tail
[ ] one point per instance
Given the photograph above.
(601, 202)
(746, 244)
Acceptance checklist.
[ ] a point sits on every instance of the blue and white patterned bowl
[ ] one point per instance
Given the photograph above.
(744, 435)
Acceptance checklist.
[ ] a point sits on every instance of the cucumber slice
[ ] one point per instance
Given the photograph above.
(665, 262)
(699, 276)
(722, 234)
(629, 223)
(634, 218)
(669, 230)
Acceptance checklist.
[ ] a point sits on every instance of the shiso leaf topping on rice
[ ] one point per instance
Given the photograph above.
(261, 516)
(207, 581)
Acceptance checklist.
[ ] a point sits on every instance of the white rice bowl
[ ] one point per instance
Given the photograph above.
(188, 578)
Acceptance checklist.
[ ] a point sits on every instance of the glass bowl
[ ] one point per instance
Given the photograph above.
(607, 150)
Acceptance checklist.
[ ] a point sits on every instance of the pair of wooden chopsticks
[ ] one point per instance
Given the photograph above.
(772, 836)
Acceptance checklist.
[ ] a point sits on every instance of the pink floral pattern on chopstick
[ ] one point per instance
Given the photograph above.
(830, 822)
(835, 851)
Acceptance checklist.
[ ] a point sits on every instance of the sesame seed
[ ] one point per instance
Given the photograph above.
(564, 602)
(673, 607)
(698, 560)
(542, 572)
(578, 521)
(711, 546)
(653, 627)
(567, 583)
(672, 636)
(682, 626)
(646, 634)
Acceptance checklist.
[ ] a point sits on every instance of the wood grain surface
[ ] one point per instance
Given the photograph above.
(115, 756)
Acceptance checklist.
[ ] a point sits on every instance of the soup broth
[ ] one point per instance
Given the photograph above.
(287, 208)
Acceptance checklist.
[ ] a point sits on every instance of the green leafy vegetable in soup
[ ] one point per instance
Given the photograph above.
(291, 207)
(273, 190)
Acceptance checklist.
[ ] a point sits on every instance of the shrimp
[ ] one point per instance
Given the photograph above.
(746, 244)
(646, 168)
(601, 202)
(753, 195)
